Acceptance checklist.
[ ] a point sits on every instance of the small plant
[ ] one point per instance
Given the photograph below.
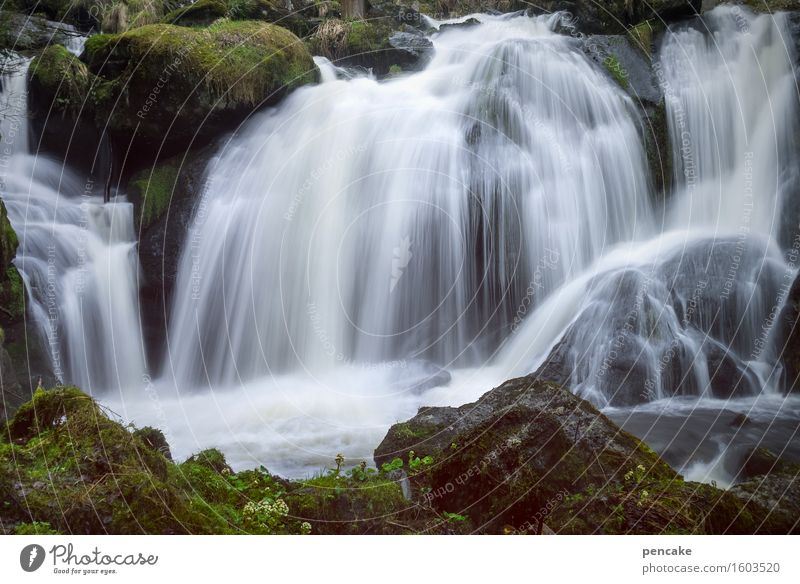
(361, 472)
(454, 517)
(339, 462)
(415, 462)
(395, 464)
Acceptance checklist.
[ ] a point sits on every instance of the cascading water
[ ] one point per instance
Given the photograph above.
(364, 230)
(77, 258)
(364, 222)
(693, 312)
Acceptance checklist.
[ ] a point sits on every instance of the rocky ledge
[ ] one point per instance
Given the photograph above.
(528, 457)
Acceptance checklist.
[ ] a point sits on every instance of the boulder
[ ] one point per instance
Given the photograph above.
(165, 197)
(530, 454)
(168, 87)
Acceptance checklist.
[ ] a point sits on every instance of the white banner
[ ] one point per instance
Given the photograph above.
(390, 559)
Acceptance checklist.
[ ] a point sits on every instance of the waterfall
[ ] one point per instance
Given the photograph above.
(77, 258)
(692, 311)
(412, 219)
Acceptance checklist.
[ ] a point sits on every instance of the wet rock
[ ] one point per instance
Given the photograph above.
(529, 453)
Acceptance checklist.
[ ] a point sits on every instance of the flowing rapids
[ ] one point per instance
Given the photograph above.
(77, 258)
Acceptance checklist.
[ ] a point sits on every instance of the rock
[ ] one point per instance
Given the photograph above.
(416, 44)
(615, 16)
(169, 87)
(59, 83)
(779, 495)
(300, 17)
(63, 100)
(165, 197)
(653, 330)
(369, 44)
(22, 32)
(107, 15)
(529, 451)
(740, 421)
(759, 461)
(200, 12)
(789, 323)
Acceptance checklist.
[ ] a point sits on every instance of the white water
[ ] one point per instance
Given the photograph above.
(656, 319)
(362, 221)
(364, 230)
(77, 257)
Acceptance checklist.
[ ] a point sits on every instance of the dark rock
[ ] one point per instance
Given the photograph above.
(789, 346)
(652, 319)
(22, 32)
(740, 420)
(379, 44)
(530, 452)
(779, 495)
(759, 461)
(416, 44)
(165, 199)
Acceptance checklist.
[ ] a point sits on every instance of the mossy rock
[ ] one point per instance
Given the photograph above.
(60, 82)
(197, 13)
(151, 191)
(362, 43)
(530, 454)
(179, 85)
(12, 289)
(75, 470)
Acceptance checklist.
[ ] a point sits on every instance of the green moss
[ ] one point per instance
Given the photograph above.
(337, 503)
(657, 148)
(183, 79)
(77, 471)
(153, 189)
(616, 71)
(8, 238)
(59, 81)
(337, 38)
(35, 528)
(641, 35)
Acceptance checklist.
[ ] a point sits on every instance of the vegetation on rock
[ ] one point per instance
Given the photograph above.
(530, 454)
(183, 82)
(59, 81)
(151, 190)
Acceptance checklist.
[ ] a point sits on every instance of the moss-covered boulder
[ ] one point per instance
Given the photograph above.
(60, 83)
(66, 466)
(12, 291)
(151, 191)
(529, 454)
(12, 311)
(177, 85)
